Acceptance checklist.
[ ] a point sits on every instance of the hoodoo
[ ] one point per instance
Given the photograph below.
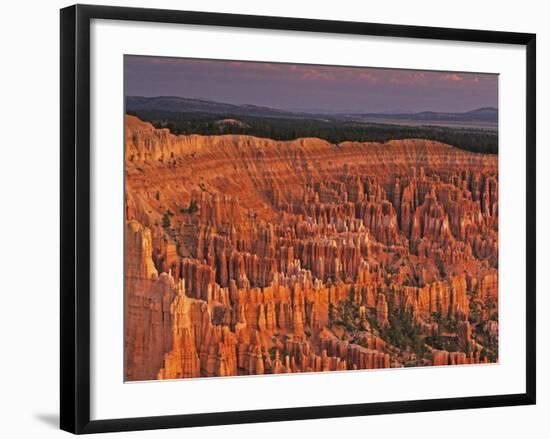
(247, 255)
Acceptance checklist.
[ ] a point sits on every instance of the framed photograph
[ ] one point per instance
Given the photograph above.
(268, 219)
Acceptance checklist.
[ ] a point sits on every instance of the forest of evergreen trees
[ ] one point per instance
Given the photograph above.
(331, 129)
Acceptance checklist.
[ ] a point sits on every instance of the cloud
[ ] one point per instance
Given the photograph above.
(406, 77)
(288, 85)
(453, 77)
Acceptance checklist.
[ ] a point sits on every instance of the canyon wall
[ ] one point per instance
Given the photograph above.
(254, 256)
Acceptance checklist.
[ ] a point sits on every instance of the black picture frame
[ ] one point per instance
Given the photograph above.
(75, 217)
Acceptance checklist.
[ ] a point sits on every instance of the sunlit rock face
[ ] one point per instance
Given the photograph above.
(253, 256)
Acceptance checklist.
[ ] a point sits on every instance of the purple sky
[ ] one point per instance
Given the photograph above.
(310, 87)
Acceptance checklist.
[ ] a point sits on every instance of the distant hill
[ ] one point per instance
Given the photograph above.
(486, 117)
(187, 105)
(485, 114)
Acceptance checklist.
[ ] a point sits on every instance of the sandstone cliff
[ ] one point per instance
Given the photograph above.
(253, 256)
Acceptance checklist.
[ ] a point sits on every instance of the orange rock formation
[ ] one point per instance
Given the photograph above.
(254, 256)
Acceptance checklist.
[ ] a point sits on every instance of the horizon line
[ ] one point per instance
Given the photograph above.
(311, 111)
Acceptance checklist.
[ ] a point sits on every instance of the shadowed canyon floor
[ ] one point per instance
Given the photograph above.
(246, 255)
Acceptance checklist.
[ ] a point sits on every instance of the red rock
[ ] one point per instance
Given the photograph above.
(239, 249)
(382, 312)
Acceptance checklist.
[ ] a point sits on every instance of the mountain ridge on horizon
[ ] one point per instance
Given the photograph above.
(186, 104)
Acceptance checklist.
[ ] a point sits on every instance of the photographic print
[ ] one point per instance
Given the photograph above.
(289, 218)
